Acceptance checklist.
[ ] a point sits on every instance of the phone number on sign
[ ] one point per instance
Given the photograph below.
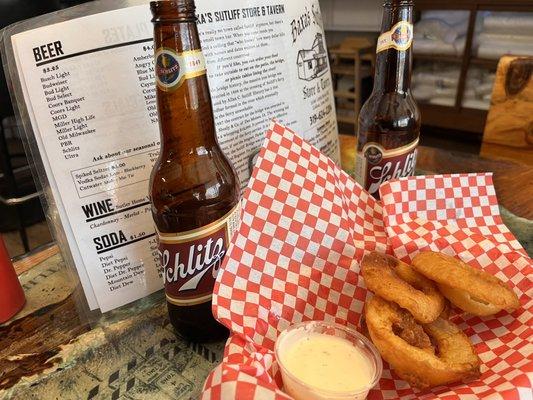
(316, 117)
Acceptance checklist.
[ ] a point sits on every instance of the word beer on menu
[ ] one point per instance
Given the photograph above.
(194, 189)
(389, 121)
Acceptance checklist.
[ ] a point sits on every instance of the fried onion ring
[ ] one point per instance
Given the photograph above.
(466, 302)
(447, 312)
(396, 281)
(470, 289)
(425, 356)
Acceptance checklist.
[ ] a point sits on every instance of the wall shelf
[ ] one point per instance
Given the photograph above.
(353, 58)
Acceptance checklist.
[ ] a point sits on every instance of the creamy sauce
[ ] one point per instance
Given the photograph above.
(328, 362)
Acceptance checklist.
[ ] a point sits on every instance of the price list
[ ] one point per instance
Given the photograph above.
(90, 88)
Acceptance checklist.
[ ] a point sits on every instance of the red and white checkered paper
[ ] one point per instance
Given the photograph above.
(306, 226)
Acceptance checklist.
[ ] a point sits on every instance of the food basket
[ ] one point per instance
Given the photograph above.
(305, 226)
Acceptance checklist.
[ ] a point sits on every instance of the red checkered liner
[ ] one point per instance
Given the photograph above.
(305, 227)
(464, 200)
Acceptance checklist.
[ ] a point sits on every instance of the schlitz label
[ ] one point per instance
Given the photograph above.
(399, 37)
(375, 165)
(172, 69)
(192, 259)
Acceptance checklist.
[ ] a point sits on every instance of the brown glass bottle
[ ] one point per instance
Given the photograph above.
(193, 187)
(389, 121)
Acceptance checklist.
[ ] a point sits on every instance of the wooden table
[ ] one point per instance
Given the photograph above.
(37, 350)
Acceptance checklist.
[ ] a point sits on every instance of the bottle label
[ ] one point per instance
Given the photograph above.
(400, 37)
(192, 259)
(172, 69)
(375, 165)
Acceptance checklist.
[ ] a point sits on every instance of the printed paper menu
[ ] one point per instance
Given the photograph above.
(89, 89)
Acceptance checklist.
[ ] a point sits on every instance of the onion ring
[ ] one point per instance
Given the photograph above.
(472, 290)
(466, 302)
(425, 356)
(447, 312)
(396, 281)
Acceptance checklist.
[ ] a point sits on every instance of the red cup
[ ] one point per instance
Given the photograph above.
(11, 294)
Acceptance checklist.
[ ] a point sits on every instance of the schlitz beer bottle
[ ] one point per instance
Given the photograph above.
(389, 121)
(193, 187)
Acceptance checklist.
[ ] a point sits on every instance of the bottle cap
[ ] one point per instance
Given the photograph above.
(173, 11)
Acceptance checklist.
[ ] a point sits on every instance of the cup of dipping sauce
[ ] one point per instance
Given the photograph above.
(320, 360)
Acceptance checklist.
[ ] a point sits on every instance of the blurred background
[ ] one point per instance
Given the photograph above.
(461, 86)
(457, 47)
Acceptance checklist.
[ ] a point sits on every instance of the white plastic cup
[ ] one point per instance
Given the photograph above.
(300, 390)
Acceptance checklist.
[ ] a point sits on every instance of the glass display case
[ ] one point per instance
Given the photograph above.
(459, 43)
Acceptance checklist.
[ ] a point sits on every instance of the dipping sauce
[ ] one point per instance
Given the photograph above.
(326, 361)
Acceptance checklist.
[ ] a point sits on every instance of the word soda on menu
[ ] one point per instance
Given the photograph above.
(193, 187)
(389, 121)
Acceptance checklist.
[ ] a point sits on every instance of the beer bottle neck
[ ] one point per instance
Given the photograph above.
(394, 50)
(185, 111)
